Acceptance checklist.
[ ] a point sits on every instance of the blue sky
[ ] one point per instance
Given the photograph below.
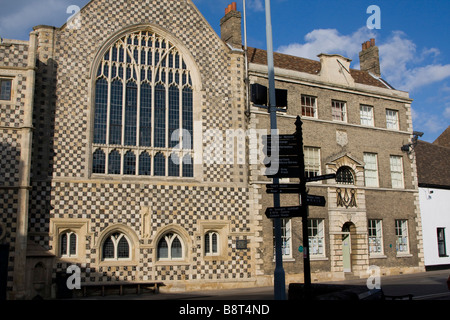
(413, 39)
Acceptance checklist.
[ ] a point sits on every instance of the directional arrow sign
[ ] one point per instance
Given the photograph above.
(284, 172)
(283, 212)
(283, 188)
(324, 177)
(317, 201)
(284, 161)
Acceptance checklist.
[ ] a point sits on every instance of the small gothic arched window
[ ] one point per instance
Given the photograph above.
(170, 247)
(345, 175)
(68, 244)
(116, 247)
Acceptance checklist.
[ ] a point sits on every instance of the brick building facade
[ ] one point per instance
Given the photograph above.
(94, 115)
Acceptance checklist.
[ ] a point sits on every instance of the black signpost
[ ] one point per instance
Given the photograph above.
(291, 164)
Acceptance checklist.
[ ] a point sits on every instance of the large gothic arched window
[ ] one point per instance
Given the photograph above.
(143, 118)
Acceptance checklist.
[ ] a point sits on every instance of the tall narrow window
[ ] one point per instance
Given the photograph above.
(115, 125)
(397, 172)
(143, 96)
(145, 127)
(131, 114)
(366, 115)
(316, 237)
(371, 169)
(392, 119)
(375, 237)
(101, 111)
(312, 161)
(401, 232)
(309, 106)
(338, 111)
(441, 242)
(211, 243)
(286, 241)
(5, 89)
(174, 116)
(160, 116)
(68, 244)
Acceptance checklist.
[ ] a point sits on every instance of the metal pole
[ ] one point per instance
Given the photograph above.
(247, 80)
(305, 212)
(279, 276)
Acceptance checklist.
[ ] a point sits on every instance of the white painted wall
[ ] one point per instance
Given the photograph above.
(435, 212)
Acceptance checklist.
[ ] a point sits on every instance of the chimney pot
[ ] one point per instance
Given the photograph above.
(369, 57)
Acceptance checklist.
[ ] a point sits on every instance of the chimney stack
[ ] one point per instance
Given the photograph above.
(369, 58)
(230, 26)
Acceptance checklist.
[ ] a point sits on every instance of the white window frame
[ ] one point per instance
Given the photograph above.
(397, 174)
(392, 121)
(317, 239)
(116, 243)
(375, 236)
(313, 107)
(169, 241)
(286, 239)
(371, 178)
(339, 110)
(312, 160)
(401, 235)
(211, 252)
(68, 254)
(366, 115)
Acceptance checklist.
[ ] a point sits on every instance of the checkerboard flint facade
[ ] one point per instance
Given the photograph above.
(48, 187)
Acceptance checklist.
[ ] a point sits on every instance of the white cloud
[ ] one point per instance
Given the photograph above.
(447, 113)
(401, 65)
(329, 41)
(255, 5)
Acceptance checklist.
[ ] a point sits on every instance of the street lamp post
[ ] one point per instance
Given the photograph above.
(279, 276)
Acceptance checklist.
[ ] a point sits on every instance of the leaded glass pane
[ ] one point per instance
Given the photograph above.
(108, 249)
(101, 111)
(146, 115)
(73, 244)
(114, 162)
(176, 251)
(160, 165)
(131, 114)
(145, 164)
(115, 129)
(160, 116)
(99, 164)
(163, 251)
(129, 163)
(174, 116)
(123, 249)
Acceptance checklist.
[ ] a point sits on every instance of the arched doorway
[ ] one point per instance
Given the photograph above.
(348, 234)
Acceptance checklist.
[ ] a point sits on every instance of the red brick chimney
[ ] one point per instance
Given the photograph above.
(230, 26)
(369, 58)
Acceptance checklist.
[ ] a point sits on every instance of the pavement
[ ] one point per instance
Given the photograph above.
(431, 285)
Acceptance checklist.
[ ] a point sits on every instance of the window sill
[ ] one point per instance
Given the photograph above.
(404, 255)
(377, 256)
(318, 258)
